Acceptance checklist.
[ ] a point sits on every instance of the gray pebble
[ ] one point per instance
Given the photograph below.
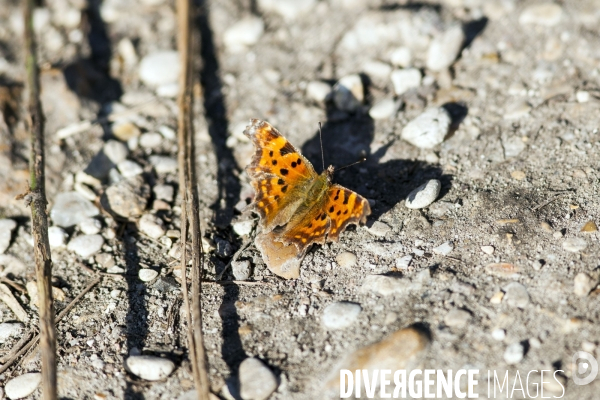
(160, 68)
(383, 109)
(348, 93)
(57, 236)
(379, 228)
(346, 259)
(288, 9)
(405, 80)
(424, 195)
(457, 318)
(429, 129)
(515, 295)
(514, 353)
(340, 314)
(23, 385)
(115, 151)
(8, 329)
(129, 168)
(164, 192)
(403, 262)
(386, 285)
(127, 198)
(257, 381)
(147, 274)
(318, 91)
(151, 140)
(152, 226)
(90, 226)
(583, 284)
(70, 209)
(498, 334)
(243, 228)
(150, 368)
(244, 33)
(574, 245)
(224, 248)
(163, 164)
(544, 14)
(241, 270)
(444, 248)
(444, 49)
(86, 245)
(6, 228)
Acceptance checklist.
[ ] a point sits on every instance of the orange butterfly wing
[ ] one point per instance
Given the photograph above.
(328, 218)
(279, 174)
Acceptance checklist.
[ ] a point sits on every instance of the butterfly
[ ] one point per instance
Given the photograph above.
(296, 205)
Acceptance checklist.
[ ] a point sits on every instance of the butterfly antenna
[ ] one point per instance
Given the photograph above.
(321, 141)
(354, 163)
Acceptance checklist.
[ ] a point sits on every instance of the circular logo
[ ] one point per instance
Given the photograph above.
(586, 368)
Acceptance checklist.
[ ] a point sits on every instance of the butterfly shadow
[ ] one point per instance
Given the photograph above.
(386, 183)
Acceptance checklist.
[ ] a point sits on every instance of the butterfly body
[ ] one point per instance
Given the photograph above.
(298, 205)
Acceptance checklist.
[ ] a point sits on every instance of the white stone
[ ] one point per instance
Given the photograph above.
(428, 129)
(377, 70)
(71, 208)
(583, 284)
(514, 353)
(241, 270)
(257, 381)
(404, 262)
(457, 318)
(23, 385)
(515, 295)
(160, 68)
(86, 245)
(379, 228)
(288, 9)
(340, 314)
(574, 245)
(444, 49)
(582, 96)
(544, 14)
(444, 248)
(115, 151)
(152, 226)
(243, 228)
(57, 236)
(6, 228)
(8, 329)
(150, 368)
(385, 285)
(348, 93)
(129, 168)
(318, 91)
(383, 109)
(151, 140)
(405, 80)
(424, 195)
(401, 57)
(513, 146)
(168, 90)
(243, 33)
(164, 192)
(346, 259)
(163, 164)
(488, 249)
(167, 132)
(90, 226)
(499, 334)
(147, 274)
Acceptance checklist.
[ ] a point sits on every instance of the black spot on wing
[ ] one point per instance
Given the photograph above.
(274, 162)
(283, 171)
(284, 189)
(287, 149)
(280, 181)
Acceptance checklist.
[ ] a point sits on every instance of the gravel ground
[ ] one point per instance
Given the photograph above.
(494, 266)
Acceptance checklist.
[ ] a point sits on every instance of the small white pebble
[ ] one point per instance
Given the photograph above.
(405, 80)
(346, 259)
(514, 353)
(23, 385)
(90, 226)
(340, 315)
(488, 249)
(444, 249)
(424, 195)
(147, 274)
(428, 129)
(150, 368)
(582, 96)
(498, 334)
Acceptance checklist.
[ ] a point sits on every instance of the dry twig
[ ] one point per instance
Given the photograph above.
(190, 207)
(39, 218)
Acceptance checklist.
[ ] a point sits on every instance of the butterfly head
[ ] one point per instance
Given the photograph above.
(329, 172)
